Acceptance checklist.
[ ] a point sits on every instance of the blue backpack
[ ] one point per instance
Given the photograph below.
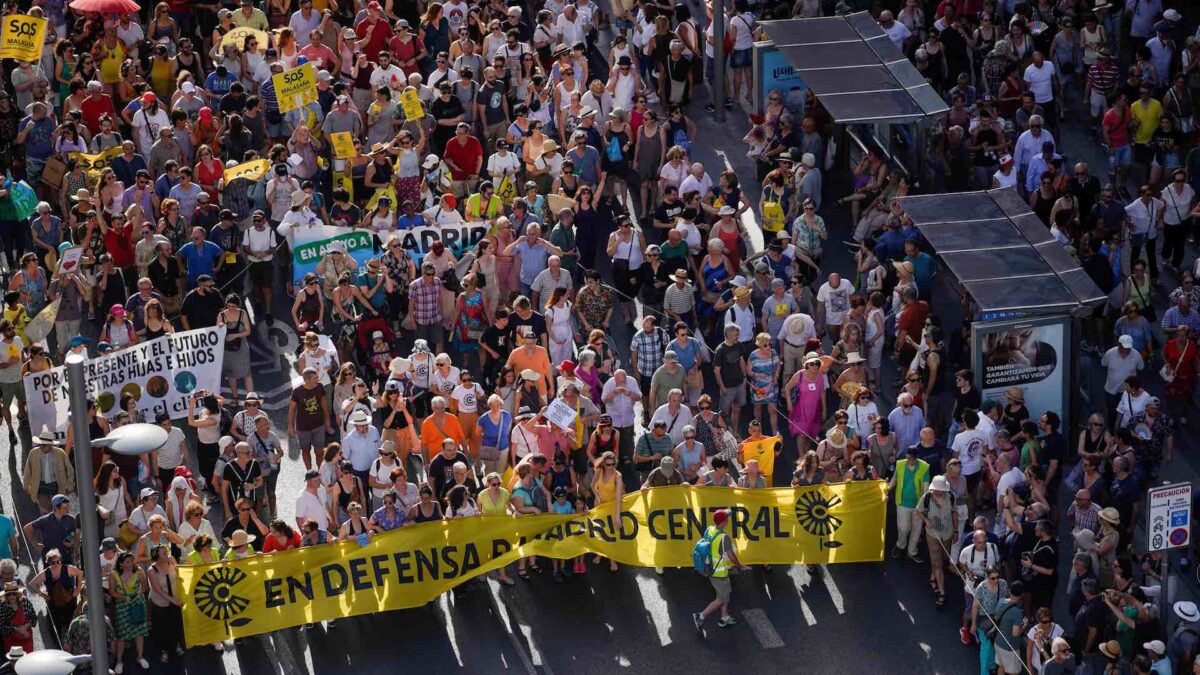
(614, 150)
(702, 553)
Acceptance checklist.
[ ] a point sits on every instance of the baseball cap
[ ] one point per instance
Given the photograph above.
(1155, 646)
(109, 544)
(58, 500)
(1125, 341)
(720, 517)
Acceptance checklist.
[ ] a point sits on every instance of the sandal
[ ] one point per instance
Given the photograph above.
(524, 574)
(933, 586)
(612, 567)
(534, 568)
(941, 601)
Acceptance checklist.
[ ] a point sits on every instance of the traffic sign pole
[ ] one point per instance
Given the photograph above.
(1168, 528)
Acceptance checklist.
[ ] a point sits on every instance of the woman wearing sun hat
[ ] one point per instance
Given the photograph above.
(805, 396)
(1109, 538)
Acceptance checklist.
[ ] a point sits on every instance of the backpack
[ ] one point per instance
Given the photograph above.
(702, 553)
(681, 139)
(226, 424)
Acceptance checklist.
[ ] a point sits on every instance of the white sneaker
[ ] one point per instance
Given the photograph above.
(120, 668)
(658, 570)
(144, 664)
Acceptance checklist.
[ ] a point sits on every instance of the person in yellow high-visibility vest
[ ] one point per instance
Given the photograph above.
(724, 558)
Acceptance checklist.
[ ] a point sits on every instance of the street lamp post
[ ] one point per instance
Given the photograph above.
(131, 439)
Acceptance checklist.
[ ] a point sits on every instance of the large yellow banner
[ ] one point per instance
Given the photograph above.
(409, 567)
(22, 37)
(93, 164)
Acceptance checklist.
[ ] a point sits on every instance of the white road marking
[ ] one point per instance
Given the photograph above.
(448, 620)
(763, 629)
(494, 593)
(834, 594)
(907, 613)
(655, 606)
(801, 578)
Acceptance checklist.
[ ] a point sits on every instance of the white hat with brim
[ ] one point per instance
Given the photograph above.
(530, 375)
(241, 538)
(400, 366)
(360, 417)
(854, 357)
(1186, 610)
(939, 484)
(46, 437)
(299, 198)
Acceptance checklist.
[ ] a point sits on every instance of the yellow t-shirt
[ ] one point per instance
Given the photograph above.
(762, 450)
(1147, 117)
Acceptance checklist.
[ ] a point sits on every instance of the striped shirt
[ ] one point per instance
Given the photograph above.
(1103, 76)
(679, 300)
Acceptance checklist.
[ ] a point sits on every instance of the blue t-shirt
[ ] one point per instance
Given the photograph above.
(409, 222)
(496, 435)
(7, 531)
(39, 143)
(687, 353)
(218, 86)
(564, 509)
(199, 260)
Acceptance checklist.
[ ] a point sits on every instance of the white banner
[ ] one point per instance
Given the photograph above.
(160, 373)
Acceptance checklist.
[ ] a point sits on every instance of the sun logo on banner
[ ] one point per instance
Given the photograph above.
(813, 513)
(214, 596)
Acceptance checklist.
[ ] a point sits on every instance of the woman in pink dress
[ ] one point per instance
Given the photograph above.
(806, 406)
(508, 267)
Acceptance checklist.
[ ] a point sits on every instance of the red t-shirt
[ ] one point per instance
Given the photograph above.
(405, 51)
(1117, 126)
(271, 543)
(120, 245)
(464, 156)
(380, 32)
(912, 320)
(93, 108)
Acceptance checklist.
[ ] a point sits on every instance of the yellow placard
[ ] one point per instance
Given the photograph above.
(764, 451)
(237, 37)
(22, 37)
(410, 103)
(506, 191)
(93, 164)
(344, 181)
(343, 145)
(249, 170)
(410, 566)
(296, 87)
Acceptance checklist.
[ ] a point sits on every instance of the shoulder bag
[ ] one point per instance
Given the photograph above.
(1167, 372)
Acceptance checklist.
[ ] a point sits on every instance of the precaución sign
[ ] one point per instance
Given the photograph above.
(1170, 516)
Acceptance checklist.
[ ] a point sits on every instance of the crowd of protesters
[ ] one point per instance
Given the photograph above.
(567, 129)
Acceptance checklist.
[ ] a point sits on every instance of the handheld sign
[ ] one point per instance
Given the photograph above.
(237, 38)
(410, 103)
(343, 145)
(22, 37)
(295, 88)
(248, 170)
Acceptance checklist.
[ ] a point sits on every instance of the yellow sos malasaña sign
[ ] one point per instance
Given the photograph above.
(22, 37)
(237, 37)
(296, 87)
(343, 145)
(410, 566)
(93, 163)
(249, 170)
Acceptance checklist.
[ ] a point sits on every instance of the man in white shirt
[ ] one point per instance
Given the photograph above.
(969, 446)
(674, 414)
(696, 181)
(310, 505)
(1042, 79)
(502, 162)
(895, 30)
(833, 304)
(1029, 144)
(1005, 475)
(1119, 363)
(388, 74)
(148, 121)
(303, 22)
(568, 26)
(361, 445)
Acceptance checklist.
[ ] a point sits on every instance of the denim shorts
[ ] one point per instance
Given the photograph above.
(741, 58)
(1122, 156)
